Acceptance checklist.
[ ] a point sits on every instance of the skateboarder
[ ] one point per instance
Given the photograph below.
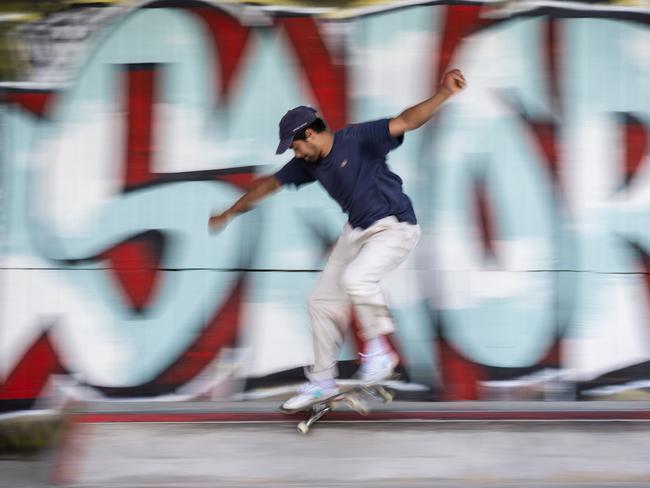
(380, 233)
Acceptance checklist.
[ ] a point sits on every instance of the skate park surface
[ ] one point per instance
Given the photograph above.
(245, 444)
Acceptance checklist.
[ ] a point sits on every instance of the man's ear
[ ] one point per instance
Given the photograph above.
(308, 133)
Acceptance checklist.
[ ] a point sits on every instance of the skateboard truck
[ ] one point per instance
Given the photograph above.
(356, 398)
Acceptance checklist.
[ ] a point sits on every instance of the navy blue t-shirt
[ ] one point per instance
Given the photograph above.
(356, 175)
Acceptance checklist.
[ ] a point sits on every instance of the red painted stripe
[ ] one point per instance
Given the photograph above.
(230, 40)
(485, 219)
(553, 48)
(327, 78)
(135, 267)
(459, 21)
(29, 376)
(635, 146)
(219, 332)
(36, 102)
(139, 103)
(547, 139)
(180, 417)
(460, 376)
(536, 415)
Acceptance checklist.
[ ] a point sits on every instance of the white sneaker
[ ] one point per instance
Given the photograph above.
(377, 367)
(309, 394)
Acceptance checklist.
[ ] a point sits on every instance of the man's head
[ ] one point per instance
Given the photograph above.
(300, 130)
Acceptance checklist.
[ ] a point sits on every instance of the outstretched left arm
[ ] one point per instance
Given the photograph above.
(415, 116)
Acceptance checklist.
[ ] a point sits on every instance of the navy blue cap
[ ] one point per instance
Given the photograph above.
(294, 121)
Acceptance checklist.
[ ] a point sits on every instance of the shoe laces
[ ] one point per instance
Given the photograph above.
(307, 387)
(311, 386)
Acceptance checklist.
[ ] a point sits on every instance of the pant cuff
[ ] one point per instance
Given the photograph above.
(322, 374)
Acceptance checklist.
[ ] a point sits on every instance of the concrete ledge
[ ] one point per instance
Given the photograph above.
(266, 411)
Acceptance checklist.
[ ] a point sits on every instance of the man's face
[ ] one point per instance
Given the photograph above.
(306, 150)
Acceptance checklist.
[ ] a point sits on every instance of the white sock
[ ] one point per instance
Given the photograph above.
(330, 383)
(377, 345)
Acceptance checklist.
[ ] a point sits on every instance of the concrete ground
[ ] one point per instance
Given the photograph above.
(469, 445)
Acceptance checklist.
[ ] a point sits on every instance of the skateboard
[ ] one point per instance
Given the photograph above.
(356, 397)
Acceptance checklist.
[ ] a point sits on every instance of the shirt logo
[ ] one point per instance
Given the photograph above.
(343, 163)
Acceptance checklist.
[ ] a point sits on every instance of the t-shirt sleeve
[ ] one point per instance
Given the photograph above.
(376, 133)
(294, 173)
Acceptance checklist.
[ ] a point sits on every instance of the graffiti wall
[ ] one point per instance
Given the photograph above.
(532, 188)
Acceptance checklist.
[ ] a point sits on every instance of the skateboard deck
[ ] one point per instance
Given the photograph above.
(356, 397)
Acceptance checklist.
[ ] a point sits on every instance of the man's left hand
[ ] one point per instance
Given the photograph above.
(217, 222)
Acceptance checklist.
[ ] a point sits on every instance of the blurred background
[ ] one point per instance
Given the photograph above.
(124, 124)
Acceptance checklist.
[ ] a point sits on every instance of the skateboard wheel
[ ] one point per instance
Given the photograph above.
(303, 428)
(387, 395)
(358, 406)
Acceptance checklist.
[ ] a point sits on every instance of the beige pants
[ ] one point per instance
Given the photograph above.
(359, 261)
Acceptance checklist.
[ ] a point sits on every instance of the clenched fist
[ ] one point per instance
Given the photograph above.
(453, 80)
